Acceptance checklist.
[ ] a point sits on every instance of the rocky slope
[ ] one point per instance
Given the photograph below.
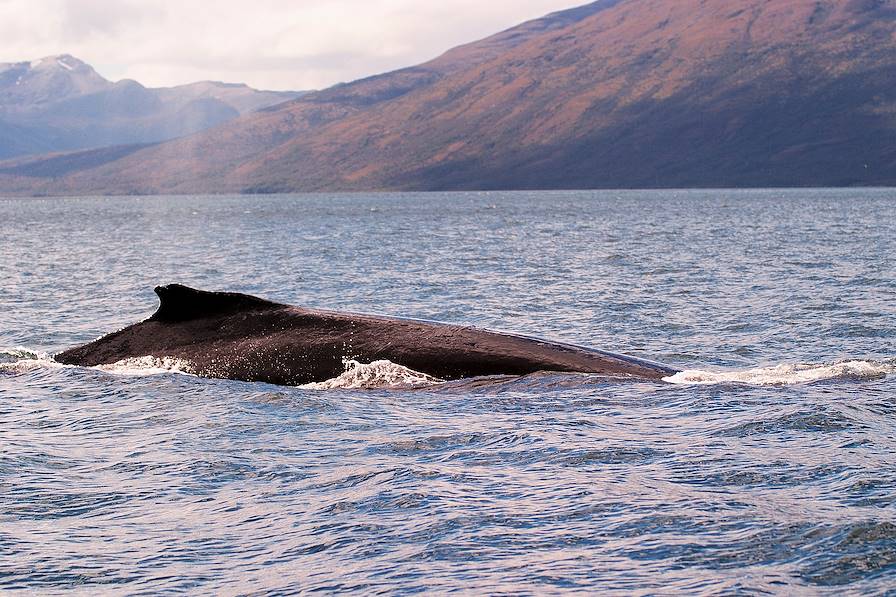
(624, 93)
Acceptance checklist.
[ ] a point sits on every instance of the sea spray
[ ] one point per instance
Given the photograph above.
(784, 375)
(148, 365)
(379, 374)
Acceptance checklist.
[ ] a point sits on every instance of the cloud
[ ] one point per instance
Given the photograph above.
(272, 44)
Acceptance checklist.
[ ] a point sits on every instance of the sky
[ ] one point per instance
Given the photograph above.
(268, 44)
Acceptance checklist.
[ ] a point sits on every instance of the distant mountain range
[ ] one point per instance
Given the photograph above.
(617, 93)
(61, 104)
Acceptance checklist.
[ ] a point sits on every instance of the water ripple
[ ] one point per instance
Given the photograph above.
(122, 482)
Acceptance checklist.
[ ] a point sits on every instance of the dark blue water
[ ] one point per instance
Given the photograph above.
(777, 475)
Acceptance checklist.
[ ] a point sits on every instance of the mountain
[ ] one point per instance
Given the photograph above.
(60, 103)
(618, 93)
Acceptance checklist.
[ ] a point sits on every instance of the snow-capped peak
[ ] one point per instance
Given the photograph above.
(64, 61)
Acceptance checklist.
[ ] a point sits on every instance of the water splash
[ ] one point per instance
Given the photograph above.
(18, 360)
(376, 375)
(148, 365)
(785, 375)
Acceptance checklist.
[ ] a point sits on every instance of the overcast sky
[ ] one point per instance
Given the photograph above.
(271, 44)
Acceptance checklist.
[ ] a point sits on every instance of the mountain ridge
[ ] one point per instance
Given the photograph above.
(60, 103)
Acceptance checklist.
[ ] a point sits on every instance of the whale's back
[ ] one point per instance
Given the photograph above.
(242, 337)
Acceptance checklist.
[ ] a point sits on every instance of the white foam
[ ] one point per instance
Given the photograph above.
(146, 366)
(19, 353)
(388, 375)
(785, 375)
(21, 360)
(376, 375)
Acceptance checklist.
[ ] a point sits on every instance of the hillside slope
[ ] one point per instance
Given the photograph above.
(624, 93)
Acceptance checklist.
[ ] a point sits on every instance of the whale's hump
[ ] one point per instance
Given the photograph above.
(182, 303)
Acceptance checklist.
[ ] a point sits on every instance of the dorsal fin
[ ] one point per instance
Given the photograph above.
(181, 303)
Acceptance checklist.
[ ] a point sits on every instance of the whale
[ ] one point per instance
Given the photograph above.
(236, 336)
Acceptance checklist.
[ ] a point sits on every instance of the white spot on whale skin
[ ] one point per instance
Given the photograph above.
(785, 375)
(376, 375)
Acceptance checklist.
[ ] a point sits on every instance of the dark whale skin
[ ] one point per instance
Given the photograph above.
(240, 337)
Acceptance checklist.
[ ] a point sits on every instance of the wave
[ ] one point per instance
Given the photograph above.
(785, 375)
(16, 361)
(376, 375)
(18, 354)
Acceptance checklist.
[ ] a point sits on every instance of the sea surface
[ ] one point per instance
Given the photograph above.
(768, 467)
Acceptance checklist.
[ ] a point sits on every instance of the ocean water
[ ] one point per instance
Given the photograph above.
(767, 467)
